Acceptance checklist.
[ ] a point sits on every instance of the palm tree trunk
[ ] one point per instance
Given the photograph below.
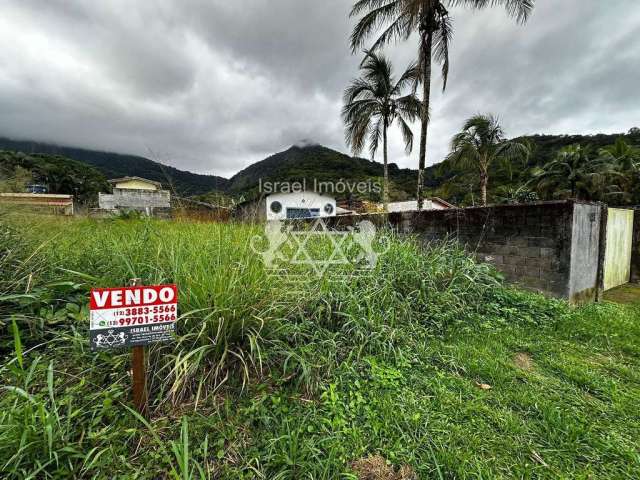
(385, 188)
(484, 180)
(426, 45)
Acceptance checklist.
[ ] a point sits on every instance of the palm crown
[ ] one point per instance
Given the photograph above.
(577, 173)
(482, 142)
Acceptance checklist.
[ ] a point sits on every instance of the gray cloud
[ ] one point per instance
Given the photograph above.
(212, 86)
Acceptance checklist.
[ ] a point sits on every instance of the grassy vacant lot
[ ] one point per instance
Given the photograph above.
(428, 367)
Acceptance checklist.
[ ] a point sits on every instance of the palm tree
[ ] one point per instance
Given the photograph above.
(481, 143)
(623, 162)
(511, 194)
(373, 102)
(575, 173)
(430, 20)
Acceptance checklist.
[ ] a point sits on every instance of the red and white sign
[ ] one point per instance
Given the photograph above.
(129, 316)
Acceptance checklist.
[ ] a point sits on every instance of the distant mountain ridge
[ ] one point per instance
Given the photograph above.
(303, 161)
(315, 162)
(114, 165)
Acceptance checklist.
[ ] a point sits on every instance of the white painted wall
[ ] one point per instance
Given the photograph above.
(136, 185)
(412, 205)
(617, 257)
(299, 200)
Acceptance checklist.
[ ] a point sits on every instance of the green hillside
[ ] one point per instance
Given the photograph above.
(60, 174)
(322, 164)
(462, 187)
(114, 165)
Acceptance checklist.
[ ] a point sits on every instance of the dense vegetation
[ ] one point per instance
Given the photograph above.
(59, 174)
(428, 365)
(516, 181)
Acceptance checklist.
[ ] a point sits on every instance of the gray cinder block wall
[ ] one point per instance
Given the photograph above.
(135, 199)
(550, 247)
(150, 202)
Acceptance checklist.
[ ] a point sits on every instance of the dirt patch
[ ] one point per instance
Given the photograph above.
(629, 293)
(523, 361)
(375, 468)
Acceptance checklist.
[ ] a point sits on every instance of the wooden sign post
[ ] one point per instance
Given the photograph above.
(133, 316)
(139, 372)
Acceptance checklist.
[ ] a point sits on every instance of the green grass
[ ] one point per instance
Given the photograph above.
(274, 380)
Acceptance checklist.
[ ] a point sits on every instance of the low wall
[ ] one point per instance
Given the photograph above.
(59, 204)
(549, 247)
(529, 244)
(134, 199)
(635, 245)
(587, 256)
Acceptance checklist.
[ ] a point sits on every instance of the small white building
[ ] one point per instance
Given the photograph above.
(135, 193)
(135, 183)
(282, 206)
(434, 203)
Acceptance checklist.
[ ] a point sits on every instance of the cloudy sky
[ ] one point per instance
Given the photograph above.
(212, 86)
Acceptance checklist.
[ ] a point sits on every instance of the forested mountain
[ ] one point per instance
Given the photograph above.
(315, 162)
(114, 165)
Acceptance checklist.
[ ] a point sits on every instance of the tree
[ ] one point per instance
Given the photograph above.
(510, 194)
(623, 162)
(14, 180)
(575, 173)
(430, 20)
(481, 143)
(59, 174)
(373, 102)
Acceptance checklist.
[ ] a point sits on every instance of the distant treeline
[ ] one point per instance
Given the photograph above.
(519, 180)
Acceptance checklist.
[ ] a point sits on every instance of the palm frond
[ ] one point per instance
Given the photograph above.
(442, 36)
(378, 72)
(513, 151)
(362, 5)
(518, 9)
(407, 135)
(380, 12)
(375, 133)
(358, 89)
(398, 29)
(407, 79)
(409, 107)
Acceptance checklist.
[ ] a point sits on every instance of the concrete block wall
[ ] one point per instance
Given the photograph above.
(135, 199)
(587, 251)
(549, 247)
(529, 244)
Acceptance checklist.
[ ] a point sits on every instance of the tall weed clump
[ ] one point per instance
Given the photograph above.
(226, 297)
(415, 292)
